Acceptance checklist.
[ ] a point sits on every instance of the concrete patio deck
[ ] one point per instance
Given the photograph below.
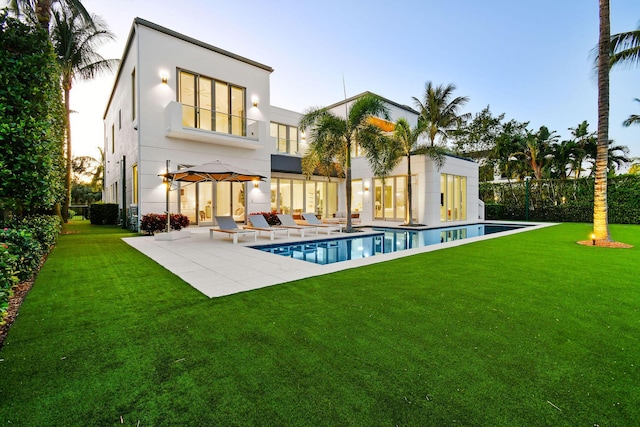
(217, 267)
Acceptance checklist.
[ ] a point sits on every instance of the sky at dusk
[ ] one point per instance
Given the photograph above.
(530, 59)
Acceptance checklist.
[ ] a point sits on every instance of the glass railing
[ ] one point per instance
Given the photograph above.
(215, 121)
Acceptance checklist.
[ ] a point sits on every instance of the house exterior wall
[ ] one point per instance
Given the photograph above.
(146, 136)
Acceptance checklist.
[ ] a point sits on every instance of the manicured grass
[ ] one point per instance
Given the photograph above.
(530, 329)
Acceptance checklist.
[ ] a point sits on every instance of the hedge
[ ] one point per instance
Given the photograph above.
(562, 200)
(104, 214)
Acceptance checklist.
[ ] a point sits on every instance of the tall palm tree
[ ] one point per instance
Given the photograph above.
(538, 149)
(439, 113)
(600, 210)
(75, 43)
(333, 136)
(408, 144)
(39, 11)
(633, 119)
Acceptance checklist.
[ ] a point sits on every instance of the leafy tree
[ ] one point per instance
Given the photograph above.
(600, 211)
(584, 139)
(564, 157)
(439, 113)
(476, 137)
(538, 150)
(31, 120)
(333, 136)
(407, 141)
(510, 141)
(76, 41)
(39, 11)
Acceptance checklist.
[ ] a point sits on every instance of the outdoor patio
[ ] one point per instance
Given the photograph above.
(217, 267)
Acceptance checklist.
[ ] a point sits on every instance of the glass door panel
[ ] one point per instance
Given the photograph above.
(205, 203)
(223, 199)
(205, 104)
(238, 201)
(285, 196)
(310, 196)
(378, 201)
(332, 198)
(237, 111)
(297, 202)
(401, 198)
(188, 99)
(188, 202)
(274, 196)
(222, 107)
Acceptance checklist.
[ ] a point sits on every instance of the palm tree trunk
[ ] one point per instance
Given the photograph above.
(67, 180)
(409, 216)
(600, 214)
(43, 13)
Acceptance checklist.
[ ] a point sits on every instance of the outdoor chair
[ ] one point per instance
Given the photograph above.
(228, 225)
(260, 224)
(312, 219)
(288, 222)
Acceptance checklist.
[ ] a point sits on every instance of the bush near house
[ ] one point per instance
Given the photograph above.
(562, 200)
(23, 244)
(104, 214)
(157, 223)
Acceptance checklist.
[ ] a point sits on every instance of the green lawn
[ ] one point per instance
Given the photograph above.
(530, 329)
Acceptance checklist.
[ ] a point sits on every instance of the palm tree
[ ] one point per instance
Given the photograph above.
(332, 137)
(75, 43)
(625, 48)
(564, 157)
(439, 113)
(39, 11)
(584, 139)
(407, 143)
(633, 119)
(600, 211)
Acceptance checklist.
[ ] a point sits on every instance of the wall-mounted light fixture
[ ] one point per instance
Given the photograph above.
(366, 186)
(256, 184)
(254, 100)
(164, 77)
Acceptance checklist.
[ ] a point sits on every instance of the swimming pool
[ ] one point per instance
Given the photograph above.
(381, 241)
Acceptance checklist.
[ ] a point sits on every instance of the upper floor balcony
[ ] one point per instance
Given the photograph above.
(200, 124)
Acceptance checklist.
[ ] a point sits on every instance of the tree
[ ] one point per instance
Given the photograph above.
(625, 49)
(407, 141)
(584, 140)
(31, 120)
(633, 119)
(564, 155)
(39, 12)
(332, 138)
(510, 141)
(75, 42)
(439, 113)
(538, 150)
(600, 211)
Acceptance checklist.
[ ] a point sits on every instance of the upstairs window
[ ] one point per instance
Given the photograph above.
(286, 138)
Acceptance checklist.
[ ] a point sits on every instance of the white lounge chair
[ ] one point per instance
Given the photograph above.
(260, 224)
(287, 221)
(312, 219)
(228, 225)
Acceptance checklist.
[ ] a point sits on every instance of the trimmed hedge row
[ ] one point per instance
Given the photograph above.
(157, 223)
(562, 200)
(23, 244)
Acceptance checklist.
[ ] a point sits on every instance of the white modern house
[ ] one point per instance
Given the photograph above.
(179, 102)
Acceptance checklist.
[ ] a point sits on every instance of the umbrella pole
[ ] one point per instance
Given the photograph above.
(167, 199)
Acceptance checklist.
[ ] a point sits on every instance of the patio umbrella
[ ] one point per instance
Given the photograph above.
(215, 171)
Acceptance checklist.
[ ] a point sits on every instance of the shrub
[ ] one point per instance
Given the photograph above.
(8, 278)
(271, 217)
(104, 214)
(157, 223)
(26, 248)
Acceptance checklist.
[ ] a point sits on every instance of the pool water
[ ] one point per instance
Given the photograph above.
(384, 240)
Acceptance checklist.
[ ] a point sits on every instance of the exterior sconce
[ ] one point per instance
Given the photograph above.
(164, 77)
(366, 186)
(254, 100)
(256, 184)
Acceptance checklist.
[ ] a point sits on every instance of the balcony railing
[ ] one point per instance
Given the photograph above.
(200, 124)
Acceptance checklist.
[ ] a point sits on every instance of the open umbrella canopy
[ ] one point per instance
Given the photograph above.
(215, 171)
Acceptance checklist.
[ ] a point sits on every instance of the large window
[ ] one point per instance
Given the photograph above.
(211, 104)
(286, 138)
(390, 200)
(453, 197)
(297, 196)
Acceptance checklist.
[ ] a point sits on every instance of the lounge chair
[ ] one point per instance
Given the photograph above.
(260, 224)
(228, 225)
(312, 219)
(287, 221)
